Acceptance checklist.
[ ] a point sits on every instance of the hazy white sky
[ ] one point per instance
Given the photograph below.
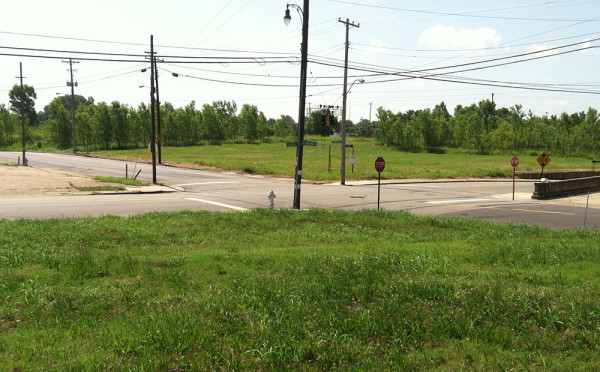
(412, 55)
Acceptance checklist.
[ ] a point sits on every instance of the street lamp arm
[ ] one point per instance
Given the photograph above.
(360, 81)
(287, 18)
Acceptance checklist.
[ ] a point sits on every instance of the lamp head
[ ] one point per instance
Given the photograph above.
(287, 18)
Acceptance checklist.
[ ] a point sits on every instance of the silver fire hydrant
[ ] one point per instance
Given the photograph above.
(271, 198)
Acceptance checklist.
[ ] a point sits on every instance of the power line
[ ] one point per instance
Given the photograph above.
(459, 14)
(476, 49)
(387, 70)
(139, 44)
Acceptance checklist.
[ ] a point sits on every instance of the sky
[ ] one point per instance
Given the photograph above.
(543, 55)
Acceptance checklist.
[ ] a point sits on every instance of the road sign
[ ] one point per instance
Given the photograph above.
(543, 159)
(379, 164)
(309, 143)
(351, 160)
(336, 141)
(514, 162)
(292, 144)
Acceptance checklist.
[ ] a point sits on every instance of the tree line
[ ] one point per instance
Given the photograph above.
(480, 128)
(101, 126)
(483, 129)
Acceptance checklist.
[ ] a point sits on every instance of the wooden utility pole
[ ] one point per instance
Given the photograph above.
(345, 93)
(153, 139)
(158, 114)
(72, 85)
(22, 113)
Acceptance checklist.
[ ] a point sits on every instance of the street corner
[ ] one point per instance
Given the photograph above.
(153, 189)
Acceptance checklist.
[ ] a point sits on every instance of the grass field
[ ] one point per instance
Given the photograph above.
(288, 290)
(278, 159)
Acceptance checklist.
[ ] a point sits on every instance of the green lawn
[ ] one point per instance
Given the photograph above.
(289, 290)
(278, 159)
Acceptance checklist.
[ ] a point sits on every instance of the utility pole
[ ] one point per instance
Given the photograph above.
(343, 161)
(302, 100)
(158, 114)
(153, 135)
(72, 85)
(22, 113)
(370, 108)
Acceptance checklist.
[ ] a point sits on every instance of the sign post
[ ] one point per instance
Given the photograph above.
(514, 163)
(543, 160)
(379, 167)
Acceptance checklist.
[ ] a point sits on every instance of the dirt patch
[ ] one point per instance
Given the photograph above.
(18, 181)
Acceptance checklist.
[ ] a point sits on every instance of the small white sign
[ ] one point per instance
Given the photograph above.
(351, 159)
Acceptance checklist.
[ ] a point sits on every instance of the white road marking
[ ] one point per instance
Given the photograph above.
(217, 204)
(205, 183)
(454, 201)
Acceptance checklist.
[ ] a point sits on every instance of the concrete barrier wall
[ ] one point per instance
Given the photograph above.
(555, 189)
(560, 175)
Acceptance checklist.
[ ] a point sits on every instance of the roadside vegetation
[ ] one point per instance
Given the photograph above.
(120, 180)
(310, 290)
(278, 159)
(279, 290)
(114, 184)
(480, 128)
(472, 141)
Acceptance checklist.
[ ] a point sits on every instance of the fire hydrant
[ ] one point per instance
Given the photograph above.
(271, 198)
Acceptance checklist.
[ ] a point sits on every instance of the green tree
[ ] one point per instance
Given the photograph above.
(384, 132)
(120, 123)
(440, 110)
(59, 124)
(227, 119)
(502, 137)
(249, 121)
(28, 100)
(103, 126)
(84, 125)
(211, 128)
(140, 131)
(9, 126)
(284, 127)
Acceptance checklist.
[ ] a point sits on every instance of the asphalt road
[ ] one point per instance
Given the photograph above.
(203, 190)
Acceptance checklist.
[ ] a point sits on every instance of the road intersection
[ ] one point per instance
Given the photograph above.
(194, 189)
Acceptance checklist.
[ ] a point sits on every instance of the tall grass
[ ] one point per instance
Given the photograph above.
(277, 159)
(283, 290)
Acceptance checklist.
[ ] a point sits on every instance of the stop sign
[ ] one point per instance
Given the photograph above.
(514, 162)
(379, 164)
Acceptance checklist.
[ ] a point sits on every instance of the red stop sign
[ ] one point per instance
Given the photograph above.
(514, 162)
(379, 164)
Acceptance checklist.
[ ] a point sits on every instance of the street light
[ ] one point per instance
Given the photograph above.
(303, 12)
(343, 161)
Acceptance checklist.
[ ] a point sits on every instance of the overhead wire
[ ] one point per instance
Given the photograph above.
(458, 14)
